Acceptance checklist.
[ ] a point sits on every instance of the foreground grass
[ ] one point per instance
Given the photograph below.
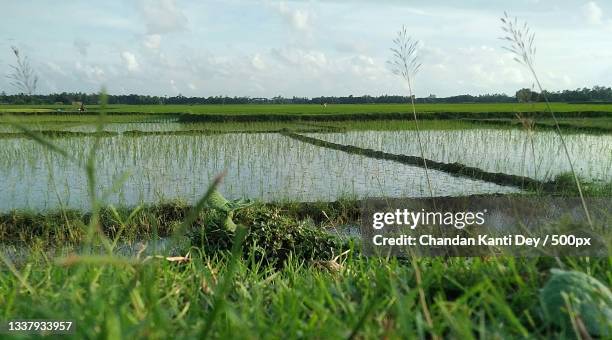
(366, 297)
(290, 279)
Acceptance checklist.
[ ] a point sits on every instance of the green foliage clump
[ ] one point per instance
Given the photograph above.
(220, 204)
(272, 237)
(23, 227)
(575, 293)
(565, 183)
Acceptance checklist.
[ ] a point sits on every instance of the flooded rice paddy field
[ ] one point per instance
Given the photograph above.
(537, 155)
(266, 166)
(272, 167)
(158, 125)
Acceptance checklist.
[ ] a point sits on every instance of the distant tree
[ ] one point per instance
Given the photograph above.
(595, 94)
(526, 95)
(23, 77)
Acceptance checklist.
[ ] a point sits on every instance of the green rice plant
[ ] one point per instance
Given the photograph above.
(522, 45)
(528, 125)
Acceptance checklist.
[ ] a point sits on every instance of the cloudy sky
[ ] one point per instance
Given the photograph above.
(299, 48)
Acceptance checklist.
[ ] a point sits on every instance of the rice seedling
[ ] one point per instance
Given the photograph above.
(528, 125)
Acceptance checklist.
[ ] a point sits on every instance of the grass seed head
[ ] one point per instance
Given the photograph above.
(520, 39)
(404, 61)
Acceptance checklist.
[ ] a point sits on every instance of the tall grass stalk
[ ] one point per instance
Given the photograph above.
(23, 77)
(405, 63)
(522, 40)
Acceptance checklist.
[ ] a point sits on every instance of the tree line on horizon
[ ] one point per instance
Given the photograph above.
(583, 95)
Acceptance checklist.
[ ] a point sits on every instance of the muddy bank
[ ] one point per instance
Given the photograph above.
(139, 133)
(541, 126)
(456, 169)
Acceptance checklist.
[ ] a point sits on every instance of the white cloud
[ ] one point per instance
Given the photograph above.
(560, 79)
(468, 70)
(162, 16)
(90, 73)
(53, 67)
(129, 59)
(299, 19)
(592, 13)
(364, 66)
(173, 86)
(152, 41)
(258, 62)
(301, 58)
